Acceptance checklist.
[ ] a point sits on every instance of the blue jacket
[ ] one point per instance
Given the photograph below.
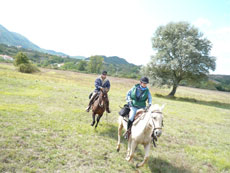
(99, 84)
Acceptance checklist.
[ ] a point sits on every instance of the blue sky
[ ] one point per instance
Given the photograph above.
(116, 27)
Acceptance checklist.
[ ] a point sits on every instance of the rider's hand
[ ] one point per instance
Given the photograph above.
(130, 104)
(147, 107)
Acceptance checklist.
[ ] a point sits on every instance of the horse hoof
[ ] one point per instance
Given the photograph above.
(118, 149)
(137, 165)
(92, 124)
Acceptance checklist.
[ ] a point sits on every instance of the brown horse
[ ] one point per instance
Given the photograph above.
(99, 106)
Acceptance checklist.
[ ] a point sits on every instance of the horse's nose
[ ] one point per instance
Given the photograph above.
(157, 133)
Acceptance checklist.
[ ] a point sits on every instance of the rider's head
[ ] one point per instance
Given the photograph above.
(144, 81)
(103, 74)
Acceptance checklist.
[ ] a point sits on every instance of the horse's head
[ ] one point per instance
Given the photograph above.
(156, 119)
(103, 93)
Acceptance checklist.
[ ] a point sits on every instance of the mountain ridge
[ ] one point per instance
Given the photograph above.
(15, 39)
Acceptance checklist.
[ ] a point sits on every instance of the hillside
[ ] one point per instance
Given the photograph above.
(213, 82)
(17, 40)
(39, 58)
(79, 57)
(44, 127)
(114, 65)
(116, 60)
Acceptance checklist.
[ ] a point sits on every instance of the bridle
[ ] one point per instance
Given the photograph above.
(104, 95)
(155, 128)
(154, 137)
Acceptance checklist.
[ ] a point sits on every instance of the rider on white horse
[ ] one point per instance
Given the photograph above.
(136, 98)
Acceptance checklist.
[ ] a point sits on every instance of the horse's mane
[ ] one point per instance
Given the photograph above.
(156, 107)
(153, 108)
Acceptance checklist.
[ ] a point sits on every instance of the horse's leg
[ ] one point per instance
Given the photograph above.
(98, 119)
(120, 127)
(93, 116)
(128, 149)
(132, 147)
(147, 148)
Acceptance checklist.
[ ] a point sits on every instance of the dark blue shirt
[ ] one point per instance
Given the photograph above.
(99, 83)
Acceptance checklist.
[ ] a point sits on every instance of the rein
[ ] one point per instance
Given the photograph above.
(101, 100)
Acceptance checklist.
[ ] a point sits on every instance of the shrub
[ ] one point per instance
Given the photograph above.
(21, 58)
(23, 64)
(27, 68)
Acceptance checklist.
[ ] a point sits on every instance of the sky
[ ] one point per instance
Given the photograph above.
(122, 28)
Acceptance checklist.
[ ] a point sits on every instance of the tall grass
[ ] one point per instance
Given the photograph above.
(44, 128)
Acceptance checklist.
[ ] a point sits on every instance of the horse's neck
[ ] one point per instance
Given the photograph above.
(102, 100)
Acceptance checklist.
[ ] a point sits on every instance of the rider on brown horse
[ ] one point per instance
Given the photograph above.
(100, 82)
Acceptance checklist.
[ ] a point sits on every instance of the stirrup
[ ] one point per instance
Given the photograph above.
(127, 134)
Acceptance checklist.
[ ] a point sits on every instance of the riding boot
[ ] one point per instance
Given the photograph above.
(107, 107)
(128, 132)
(91, 102)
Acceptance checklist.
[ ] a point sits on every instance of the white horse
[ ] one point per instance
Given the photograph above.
(147, 126)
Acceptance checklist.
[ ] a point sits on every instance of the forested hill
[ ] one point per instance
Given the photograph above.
(15, 39)
(114, 60)
(114, 65)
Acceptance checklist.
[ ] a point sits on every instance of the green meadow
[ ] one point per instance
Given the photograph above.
(44, 127)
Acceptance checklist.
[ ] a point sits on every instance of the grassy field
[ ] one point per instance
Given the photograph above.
(44, 128)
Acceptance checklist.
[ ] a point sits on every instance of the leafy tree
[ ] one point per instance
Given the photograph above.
(182, 53)
(21, 58)
(69, 66)
(82, 65)
(95, 64)
(23, 63)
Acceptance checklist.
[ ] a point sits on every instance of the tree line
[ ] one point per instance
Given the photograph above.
(94, 64)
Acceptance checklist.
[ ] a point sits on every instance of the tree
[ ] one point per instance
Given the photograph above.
(23, 64)
(69, 66)
(21, 58)
(182, 53)
(95, 64)
(82, 65)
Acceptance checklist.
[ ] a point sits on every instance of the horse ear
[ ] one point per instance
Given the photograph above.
(162, 107)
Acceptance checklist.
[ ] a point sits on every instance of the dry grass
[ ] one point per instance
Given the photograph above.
(44, 128)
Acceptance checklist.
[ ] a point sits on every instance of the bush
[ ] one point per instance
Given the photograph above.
(21, 58)
(27, 68)
(23, 64)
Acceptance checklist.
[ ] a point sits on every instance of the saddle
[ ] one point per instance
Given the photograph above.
(95, 97)
(138, 114)
(124, 112)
